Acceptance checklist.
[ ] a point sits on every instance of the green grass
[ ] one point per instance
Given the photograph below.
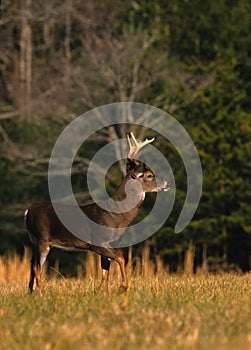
(176, 312)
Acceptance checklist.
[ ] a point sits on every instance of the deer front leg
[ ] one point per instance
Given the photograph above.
(105, 265)
(106, 255)
(121, 261)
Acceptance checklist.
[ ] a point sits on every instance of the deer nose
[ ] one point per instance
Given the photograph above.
(166, 187)
(162, 185)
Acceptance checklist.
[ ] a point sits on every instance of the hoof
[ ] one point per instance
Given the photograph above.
(123, 289)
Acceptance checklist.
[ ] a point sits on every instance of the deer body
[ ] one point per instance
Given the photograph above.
(46, 230)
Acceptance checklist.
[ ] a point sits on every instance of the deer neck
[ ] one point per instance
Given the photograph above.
(135, 191)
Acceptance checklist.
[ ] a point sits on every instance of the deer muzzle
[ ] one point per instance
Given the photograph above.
(162, 185)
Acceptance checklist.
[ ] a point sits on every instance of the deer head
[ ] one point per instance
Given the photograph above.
(138, 170)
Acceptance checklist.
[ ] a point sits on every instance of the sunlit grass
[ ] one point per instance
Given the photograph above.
(170, 312)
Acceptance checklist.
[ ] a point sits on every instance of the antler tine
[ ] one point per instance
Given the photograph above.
(134, 149)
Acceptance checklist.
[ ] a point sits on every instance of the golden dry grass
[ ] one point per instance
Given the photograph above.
(159, 311)
(14, 268)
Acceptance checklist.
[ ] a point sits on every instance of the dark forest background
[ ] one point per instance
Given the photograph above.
(59, 59)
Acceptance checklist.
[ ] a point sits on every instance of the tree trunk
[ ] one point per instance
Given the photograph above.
(25, 59)
(67, 42)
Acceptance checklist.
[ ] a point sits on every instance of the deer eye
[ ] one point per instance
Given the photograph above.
(150, 176)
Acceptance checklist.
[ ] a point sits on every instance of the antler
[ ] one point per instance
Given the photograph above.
(134, 149)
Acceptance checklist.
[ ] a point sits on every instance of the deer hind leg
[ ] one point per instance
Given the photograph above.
(35, 268)
(37, 261)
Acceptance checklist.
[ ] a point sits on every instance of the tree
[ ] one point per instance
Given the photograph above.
(219, 122)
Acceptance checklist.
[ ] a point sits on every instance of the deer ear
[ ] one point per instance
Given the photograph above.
(136, 175)
(129, 165)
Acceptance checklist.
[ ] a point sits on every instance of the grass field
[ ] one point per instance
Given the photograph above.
(157, 312)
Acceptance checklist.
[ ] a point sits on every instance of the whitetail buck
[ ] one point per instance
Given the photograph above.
(46, 230)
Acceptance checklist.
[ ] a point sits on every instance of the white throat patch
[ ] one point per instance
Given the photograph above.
(143, 195)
